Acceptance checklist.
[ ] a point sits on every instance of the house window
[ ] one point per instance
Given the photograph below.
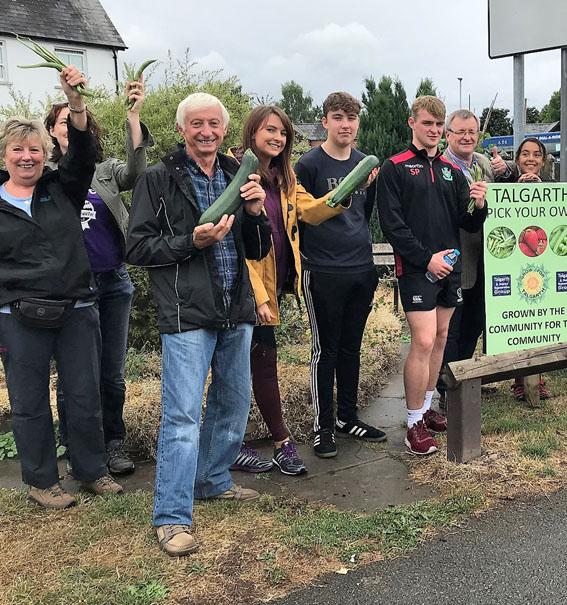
(72, 57)
(2, 61)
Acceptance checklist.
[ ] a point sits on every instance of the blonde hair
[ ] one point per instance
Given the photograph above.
(433, 105)
(22, 129)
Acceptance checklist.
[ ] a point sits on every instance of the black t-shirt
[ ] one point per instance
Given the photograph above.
(342, 243)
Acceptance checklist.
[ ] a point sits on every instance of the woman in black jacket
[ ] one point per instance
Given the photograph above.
(47, 295)
(530, 158)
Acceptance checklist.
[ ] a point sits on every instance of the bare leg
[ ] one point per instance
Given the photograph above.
(443, 318)
(428, 336)
(423, 329)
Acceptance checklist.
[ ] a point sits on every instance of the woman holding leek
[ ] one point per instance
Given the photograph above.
(268, 131)
(47, 295)
(105, 220)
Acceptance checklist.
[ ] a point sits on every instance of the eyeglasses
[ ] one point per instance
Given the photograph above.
(462, 133)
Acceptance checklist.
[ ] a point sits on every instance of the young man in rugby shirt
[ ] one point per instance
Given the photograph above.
(423, 200)
(339, 278)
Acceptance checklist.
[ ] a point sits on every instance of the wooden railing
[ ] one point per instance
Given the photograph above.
(383, 256)
(464, 379)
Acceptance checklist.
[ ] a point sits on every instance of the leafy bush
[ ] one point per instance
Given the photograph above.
(181, 79)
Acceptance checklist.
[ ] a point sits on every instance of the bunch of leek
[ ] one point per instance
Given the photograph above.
(50, 60)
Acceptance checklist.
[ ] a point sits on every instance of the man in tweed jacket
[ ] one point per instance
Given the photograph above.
(467, 323)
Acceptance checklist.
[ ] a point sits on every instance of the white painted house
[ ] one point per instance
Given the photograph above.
(78, 31)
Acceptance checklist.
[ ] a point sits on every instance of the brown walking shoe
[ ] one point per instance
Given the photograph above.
(176, 540)
(237, 492)
(51, 497)
(102, 486)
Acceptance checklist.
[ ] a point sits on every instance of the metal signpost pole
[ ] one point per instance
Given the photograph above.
(563, 118)
(519, 109)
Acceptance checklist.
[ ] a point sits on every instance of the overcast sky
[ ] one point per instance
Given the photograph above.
(328, 45)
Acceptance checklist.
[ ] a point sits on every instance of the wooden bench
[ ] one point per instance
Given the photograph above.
(464, 379)
(383, 256)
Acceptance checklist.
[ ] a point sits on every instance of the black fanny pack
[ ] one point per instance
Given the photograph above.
(42, 312)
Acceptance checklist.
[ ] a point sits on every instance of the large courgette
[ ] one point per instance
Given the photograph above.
(230, 199)
(353, 180)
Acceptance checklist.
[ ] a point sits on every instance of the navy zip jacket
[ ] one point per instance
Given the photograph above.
(44, 255)
(422, 203)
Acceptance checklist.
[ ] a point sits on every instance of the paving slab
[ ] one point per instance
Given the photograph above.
(143, 478)
(385, 412)
(361, 477)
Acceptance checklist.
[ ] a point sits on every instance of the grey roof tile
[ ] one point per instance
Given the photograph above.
(535, 128)
(82, 21)
(312, 131)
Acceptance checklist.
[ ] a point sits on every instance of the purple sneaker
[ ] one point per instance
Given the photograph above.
(249, 461)
(288, 460)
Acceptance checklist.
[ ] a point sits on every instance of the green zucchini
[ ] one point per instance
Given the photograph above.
(353, 180)
(230, 200)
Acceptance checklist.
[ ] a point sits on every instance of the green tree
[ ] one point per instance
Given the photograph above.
(552, 111)
(297, 104)
(532, 115)
(384, 127)
(499, 123)
(426, 87)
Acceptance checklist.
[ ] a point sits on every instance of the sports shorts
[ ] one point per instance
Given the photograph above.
(419, 294)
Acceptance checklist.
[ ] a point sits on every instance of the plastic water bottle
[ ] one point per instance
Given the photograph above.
(450, 259)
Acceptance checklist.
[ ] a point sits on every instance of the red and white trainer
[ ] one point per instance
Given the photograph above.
(420, 441)
(434, 421)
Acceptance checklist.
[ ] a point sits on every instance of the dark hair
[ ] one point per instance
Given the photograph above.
(531, 140)
(341, 100)
(51, 120)
(282, 162)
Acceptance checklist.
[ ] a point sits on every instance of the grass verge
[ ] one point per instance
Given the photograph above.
(523, 448)
(104, 552)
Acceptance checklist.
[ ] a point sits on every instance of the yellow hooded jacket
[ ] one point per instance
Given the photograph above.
(297, 206)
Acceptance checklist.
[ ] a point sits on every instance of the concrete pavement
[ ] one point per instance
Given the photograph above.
(361, 477)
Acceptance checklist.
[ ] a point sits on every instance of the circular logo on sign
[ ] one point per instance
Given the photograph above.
(533, 283)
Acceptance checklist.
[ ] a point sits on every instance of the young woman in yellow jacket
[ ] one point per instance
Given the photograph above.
(269, 133)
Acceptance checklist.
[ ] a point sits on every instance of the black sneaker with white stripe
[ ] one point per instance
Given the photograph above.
(360, 430)
(324, 444)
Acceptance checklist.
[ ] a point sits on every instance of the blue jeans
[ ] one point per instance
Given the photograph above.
(192, 463)
(115, 292)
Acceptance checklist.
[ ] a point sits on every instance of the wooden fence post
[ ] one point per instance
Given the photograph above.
(531, 389)
(463, 419)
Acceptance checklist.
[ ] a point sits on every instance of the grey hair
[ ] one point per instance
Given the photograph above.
(21, 129)
(197, 101)
(462, 114)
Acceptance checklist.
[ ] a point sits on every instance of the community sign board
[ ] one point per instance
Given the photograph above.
(516, 27)
(525, 260)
